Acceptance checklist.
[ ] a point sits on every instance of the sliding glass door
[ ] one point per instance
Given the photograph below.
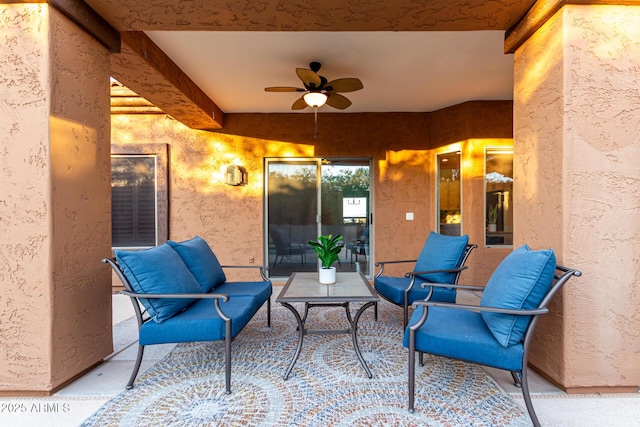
(305, 198)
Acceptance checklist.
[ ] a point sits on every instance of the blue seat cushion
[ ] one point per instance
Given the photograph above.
(441, 252)
(521, 280)
(159, 270)
(261, 291)
(200, 322)
(392, 288)
(462, 334)
(201, 261)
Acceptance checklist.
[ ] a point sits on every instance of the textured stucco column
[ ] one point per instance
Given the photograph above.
(55, 304)
(577, 188)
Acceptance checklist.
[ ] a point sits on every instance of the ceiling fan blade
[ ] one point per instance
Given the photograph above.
(283, 89)
(338, 101)
(308, 77)
(349, 84)
(300, 104)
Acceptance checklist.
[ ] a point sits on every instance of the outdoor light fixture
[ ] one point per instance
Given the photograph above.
(235, 175)
(315, 99)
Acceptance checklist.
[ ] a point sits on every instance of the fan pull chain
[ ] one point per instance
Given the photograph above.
(315, 134)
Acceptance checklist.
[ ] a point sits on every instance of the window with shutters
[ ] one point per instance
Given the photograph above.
(133, 201)
(139, 196)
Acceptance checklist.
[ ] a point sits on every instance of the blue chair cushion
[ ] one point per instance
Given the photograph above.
(159, 270)
(201, 261)
(441, 252)
(200, 322)
(393, 288)
(521, 281)
(462, 334)
(261, 291)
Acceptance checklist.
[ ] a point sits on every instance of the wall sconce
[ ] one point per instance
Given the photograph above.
(236, 175)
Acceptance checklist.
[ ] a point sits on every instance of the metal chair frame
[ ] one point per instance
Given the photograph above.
(143, 317)
(520, 377)
(415, 274)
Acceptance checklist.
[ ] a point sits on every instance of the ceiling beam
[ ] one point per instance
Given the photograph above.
(144, 68)
(83, 16)
(541, 12)
(311, 15)
(87, 19)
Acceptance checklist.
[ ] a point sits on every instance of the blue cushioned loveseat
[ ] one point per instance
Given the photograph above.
(180, 293)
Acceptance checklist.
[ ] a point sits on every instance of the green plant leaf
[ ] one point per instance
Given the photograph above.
(327, 248)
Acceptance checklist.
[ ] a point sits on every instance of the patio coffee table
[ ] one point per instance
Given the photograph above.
(349, 287)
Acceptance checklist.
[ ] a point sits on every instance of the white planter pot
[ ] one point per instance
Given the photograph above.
(491, 228)
(327, 276)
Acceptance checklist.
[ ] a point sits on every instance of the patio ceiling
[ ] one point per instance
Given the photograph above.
(200, 59)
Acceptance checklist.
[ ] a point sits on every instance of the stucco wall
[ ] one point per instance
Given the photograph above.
(25, 200)
(55, 307)
(577, 114)
(231, 218)
(80, 174)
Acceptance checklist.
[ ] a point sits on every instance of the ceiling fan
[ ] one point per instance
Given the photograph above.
(318, 91)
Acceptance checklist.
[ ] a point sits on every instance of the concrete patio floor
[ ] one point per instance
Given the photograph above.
(77, 401)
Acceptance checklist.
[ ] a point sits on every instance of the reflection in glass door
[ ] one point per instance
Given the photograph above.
(309, 197)
(499, 197)
(449, 194)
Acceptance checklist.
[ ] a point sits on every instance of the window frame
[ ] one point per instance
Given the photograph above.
(160, 152)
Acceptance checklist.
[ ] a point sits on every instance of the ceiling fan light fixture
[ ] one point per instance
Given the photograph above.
(315, 99)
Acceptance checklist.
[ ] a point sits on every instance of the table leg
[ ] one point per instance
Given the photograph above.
(300, 338)
(346, 307)
(354, 336)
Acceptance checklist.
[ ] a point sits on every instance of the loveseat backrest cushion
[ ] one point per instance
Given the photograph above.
(521, 281)
(159, 270)
(441, 252)
(201, 261)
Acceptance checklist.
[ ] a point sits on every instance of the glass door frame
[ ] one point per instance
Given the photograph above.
(319, 161)
(449, 218)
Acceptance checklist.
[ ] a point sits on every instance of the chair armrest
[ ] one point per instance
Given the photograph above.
(245, 266)
(263, 269)
(395, 262)
(476, 308)
(450, 270)
(451, 285)
(215, 297)
(223, 297)
(481, 308)
(381, 264)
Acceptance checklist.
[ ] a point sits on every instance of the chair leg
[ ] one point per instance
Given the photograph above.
(412, 369)
(527, 398)
(405, 316)
(269, 312)
(421, 358)
(227, 357)
(375, 311)
(136, 367)
(516, 379)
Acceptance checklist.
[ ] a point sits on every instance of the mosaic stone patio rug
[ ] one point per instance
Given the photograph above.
(327, 387)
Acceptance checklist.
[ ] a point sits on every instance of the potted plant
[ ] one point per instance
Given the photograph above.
(492, 218)
(328, 249)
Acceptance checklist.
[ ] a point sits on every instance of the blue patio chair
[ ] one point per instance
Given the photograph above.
(497, 332)
(441, 260)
